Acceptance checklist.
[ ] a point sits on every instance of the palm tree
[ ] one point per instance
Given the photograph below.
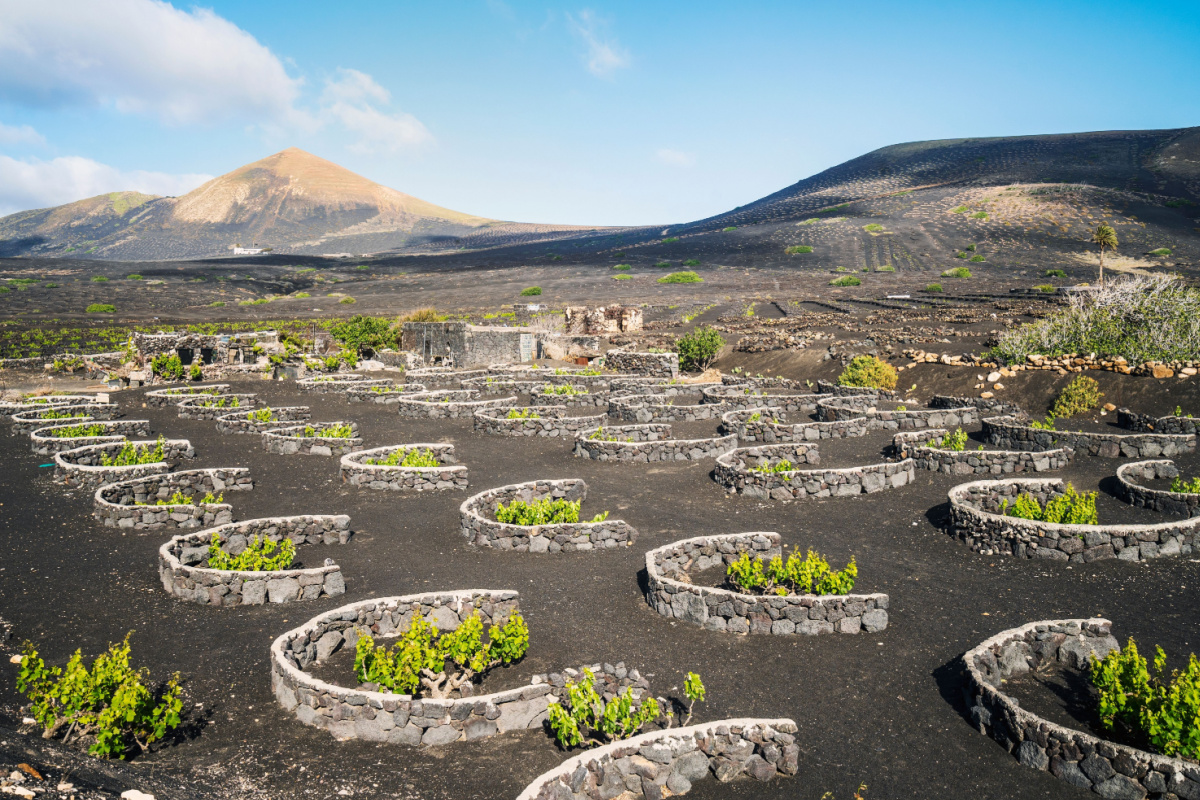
(1104, 236)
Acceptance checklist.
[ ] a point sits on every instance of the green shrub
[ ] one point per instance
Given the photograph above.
(99, 279)
(1080, 395)
(217, 304)
(523, 413)
(663, 264)
(547, 511)
(362, 266)
(301, 295)
(259, 555)
(681, 277)
(132, 454)
(622, 277)
(347, 301)
(167, 366)
(933, 287)
(584, 717)
(110, 702)
(957, 272)
(959, 210)
(962, 254)
(623, 267)
(848, 280)
(1156, 710)
(1069, 508)
(262, 416)
(362, 332)
(885, 268)
(262, 301)
(956, 441)
(101, 308)
(874, 227)
(532, 291)
(698, 349)
(782, 465)
(1185, 487)
(971, 247)
(437, 664)
(977, 259)
(979, 215)
(134, 277)
(670, 240)
(868, 372)
(79, 431)
(563, 389)
(729, 228)
(1045, 288)
(808, 575)
(691, 262)
(798, 248)
(411, 458)
(1055, 273)
(196, 372)
(1162, 251)
(329, 432)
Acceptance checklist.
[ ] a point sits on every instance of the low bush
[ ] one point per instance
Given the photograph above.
(681, 277)
(663, 264)
(1080, 395)
(523, 413)
(798, 248)
(585, 718)
(1055, 273)
(1185, 487)
(196, 372)
(979, 215)
(885, 268)
(956, 441)
(361, 332)
(410, 458)
(622, 267)
(977, 259)
(783, 465)
(1045, 288)
(347, 301)
(80, 431)
(217, 304)
(564, 389)
(796, 575)
(222, 402)
(301, 295)
(427, 314)
(959, 210)
(547, 511)
(971, 247)
(868, 372)
(167, 366)
(132, 454)
(622, 277)
(1069, 508)
(962, 254)
(600, 435)
(729, 228)
(259, 556)
(873, 227)
(101, 308)
(933, 287)
(957, 272)
(329, 432)
(110, 702)
(180, 499)
(848, 280)
(1158, 710)
(440, 663)
(134, 277)
(99, 279)
(697, 350)
(670, 240)
(1162, 251)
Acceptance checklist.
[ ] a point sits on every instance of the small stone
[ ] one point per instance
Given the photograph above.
(1160, 371)
(993, 377)
(987, 395)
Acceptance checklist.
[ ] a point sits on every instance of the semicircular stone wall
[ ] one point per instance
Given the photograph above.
(1148, 423)
(1013, 434)
(741, 472)
(845, 408)
(382, 395)
(589, 399)
(450, 475)
(447, 404)
(643, 408)
(551, 421)
(244, 421)
(209, 407)
(326, 384)
(26, 422)
(290, 440)
(915, 445)
(134, 503)
(477, 525)
(1131, 488)
(743, 396)
(172, 396)
(976, 521)
(647, 443)
(181, 563)
(45, 442)
(83, 467)
(1073, 756)
(671, 592)
(771, 427)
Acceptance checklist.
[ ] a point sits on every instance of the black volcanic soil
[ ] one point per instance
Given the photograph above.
(883, 709)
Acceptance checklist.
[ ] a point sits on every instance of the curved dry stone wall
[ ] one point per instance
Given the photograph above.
(43, 441)
(592, 399)
(198, 408)
(643, 408)
(645, 443)
(327, 384)
(552, 421)
(382, 395)
(1073, 756)
(166, 398)
(1012, 434)
(181, 563)
(83, 467)
(451, 475)
(8, 408)
(665, 763)
(447, 404)
(1148, 423)
(244, 422)
(975, 519)
(825, 387)
(290, 440)
(657, 365)
(845, 408)
(134, 503)
(491, 386)
(738, 472)
(914, 445)
(766, 430)
(744, 396)
(671, 592)
(26, 422)
(475, 515)
(991, 405)
(1131, 490)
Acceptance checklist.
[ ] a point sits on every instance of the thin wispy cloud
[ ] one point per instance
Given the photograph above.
(675, 158)
(19, 134)
(603, 55)
(33, 183)
(351, 100)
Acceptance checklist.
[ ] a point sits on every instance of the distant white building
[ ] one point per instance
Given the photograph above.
(248, 251)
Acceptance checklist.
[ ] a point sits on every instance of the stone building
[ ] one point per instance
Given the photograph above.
(460, 344)
(603, 320)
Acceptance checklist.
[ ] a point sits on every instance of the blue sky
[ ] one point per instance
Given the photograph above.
(600, 113)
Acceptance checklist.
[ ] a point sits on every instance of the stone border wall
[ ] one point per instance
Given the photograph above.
(289, 440)
(553, 422)
(326, 384)
(1147, 423)
(1010, 433)
(7, 409)
(975, 519)
(390, 397)
(462, 403)
(491, 385)
(589, 400)
(81, 467)
(990, 405)
(764, 431)
(192, 407)
(451, 475)
(342, 387)
(482, 531)
(645, 408)
(44, 443)
(171, 396)
(847, 408)
(975, 462)
(1129, 489)
(238, 421)
(659, 365)
(734, 473)
(181, 578)
(666, 762)
(670, 592)
(1073, 756)
(825, 387)
(739, 397)
(657, 386)
(26, 422)
(116, 504)
(648, 443)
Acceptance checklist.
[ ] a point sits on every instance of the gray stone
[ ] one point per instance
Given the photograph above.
(283, 590)
(874, 620)
(1119, 787)
(758, 768)
(1069, 771)
(445, 619)
(328, 644)
(442, 734)
(523, 713)
(1097, 768)
(335, 584)
(254, 593)
(1030, 755)
(681, 785)
(479, 728)
(693, 766)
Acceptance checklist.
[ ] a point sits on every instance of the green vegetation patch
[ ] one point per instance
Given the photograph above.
(681, 277)
(846, 280)
(797, 249)
(933, 287)
(101, 308)
(873, 227)
(957, 272)
(698, 349)
(868, 372)
(622, 267)
(532, 291)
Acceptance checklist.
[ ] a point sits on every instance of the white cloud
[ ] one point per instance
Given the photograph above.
(675, 158)
(19, 134)
(346, 102)
(33, 183)
(604, 54)
(141, 56)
